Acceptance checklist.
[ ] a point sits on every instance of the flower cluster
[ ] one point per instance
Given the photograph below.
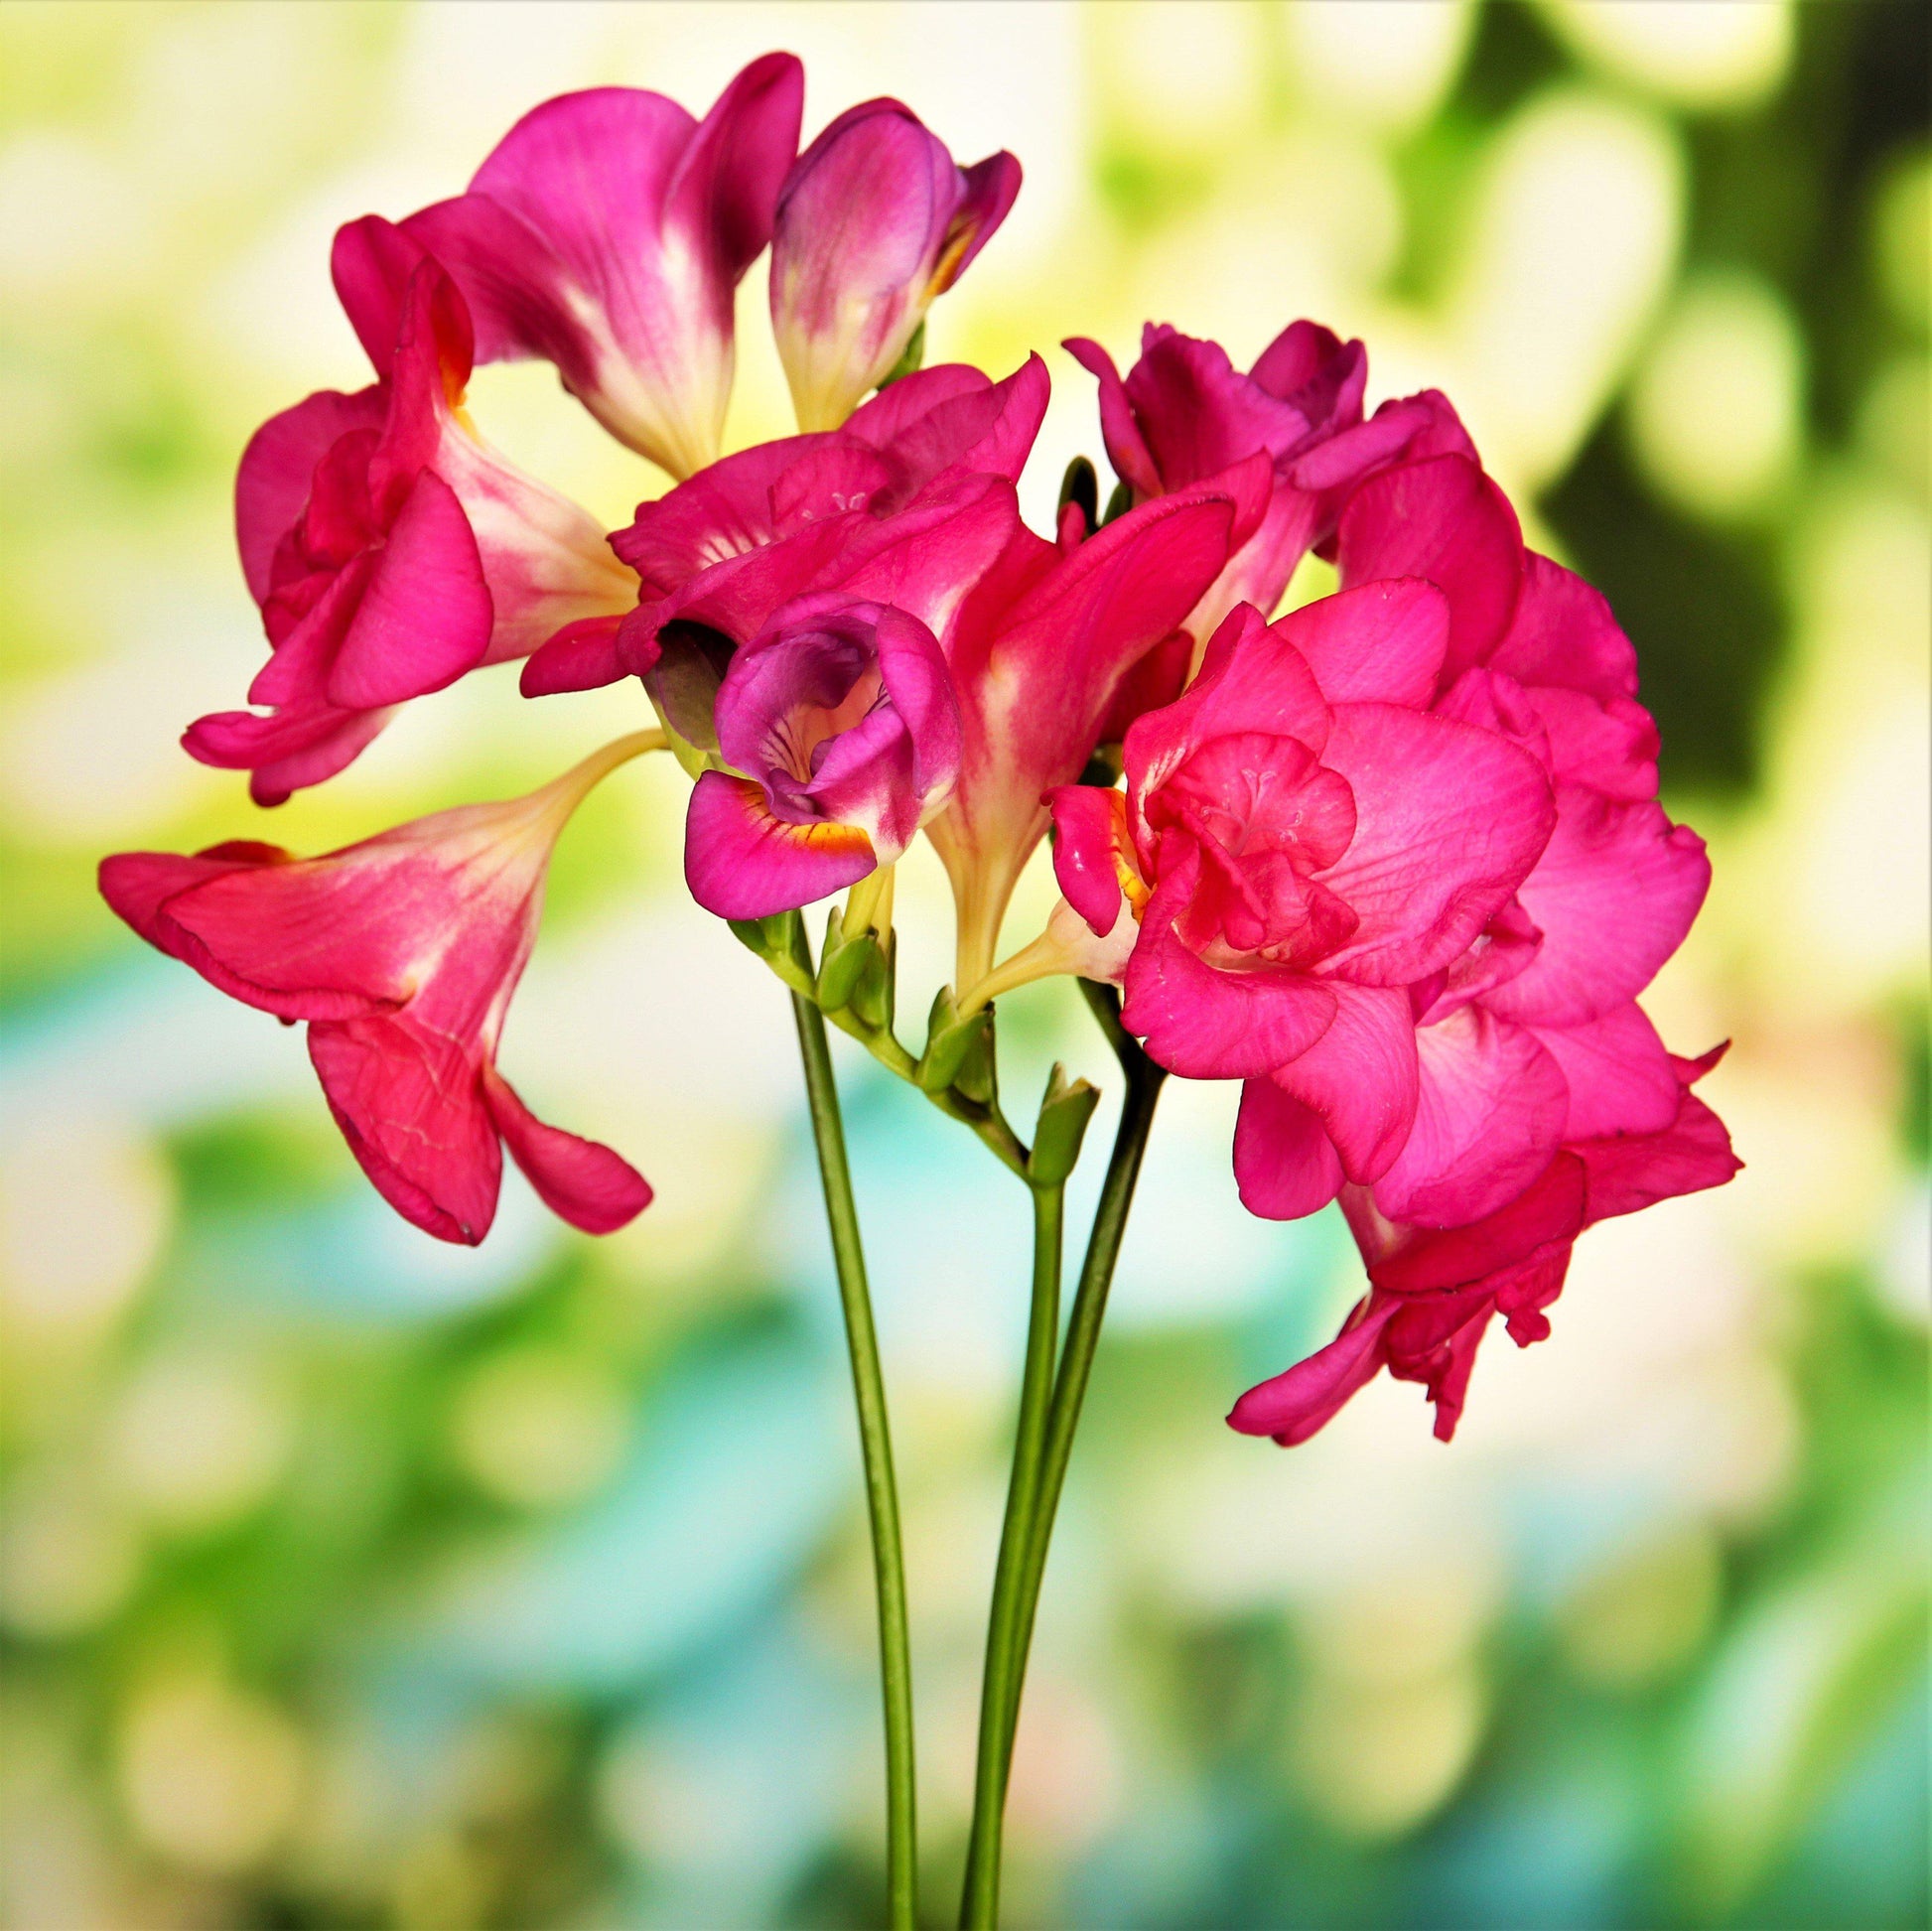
(1395, 860)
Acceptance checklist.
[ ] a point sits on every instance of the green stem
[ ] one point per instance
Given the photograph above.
(999, 1694)
(875, 1441)
(980, 1907)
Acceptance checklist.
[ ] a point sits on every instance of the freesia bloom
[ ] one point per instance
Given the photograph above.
(607, 232)
(391, 550)
(1435, 1292)
(729, 546)
(401, 953)
(875, 223)
(841, 734)
(1184, 414)
(1398, 862)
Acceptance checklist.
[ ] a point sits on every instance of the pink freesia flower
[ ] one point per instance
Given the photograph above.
(841, 738)
(391, 550)
(1183, 413)
(1307, 844)
(875, 221)
(607, 232)
(729, 546)
(1433, 1292)
(402, 953)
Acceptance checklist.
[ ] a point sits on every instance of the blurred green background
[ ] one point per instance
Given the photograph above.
(347, 1579)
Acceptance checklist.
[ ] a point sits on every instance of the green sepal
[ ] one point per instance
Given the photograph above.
(843, 962)
(949, 1039)
(911, 356)
(780, 942)
(875, 997)
(1064, 1115)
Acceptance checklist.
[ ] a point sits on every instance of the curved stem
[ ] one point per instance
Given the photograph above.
(999, 1694)
(875, 1441)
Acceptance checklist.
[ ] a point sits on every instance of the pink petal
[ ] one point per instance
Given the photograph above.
(580, 1180)
(286, 753)
(1361, 1078)
(1284, 1164)
(1619, 1076)
(1625, 1175)
(372, 263)
(278, 469)
(1450, 820)
(1613, 894)
(1090, 827)
(1383, 642)
(1489, 1114)
(1545, 1216)
(1608, 743)
(426, 615)
(1127, 447)
(410, 1105)
(582, 656)
(740, 862)
(1205, 1023)
(1297, 1404)
(1563, 634)
(1444, 520)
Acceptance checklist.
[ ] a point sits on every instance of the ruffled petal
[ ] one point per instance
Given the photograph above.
(1361, 1077)
(740, 862)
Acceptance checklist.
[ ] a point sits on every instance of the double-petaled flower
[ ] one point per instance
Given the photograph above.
(1397, 862)
(401, 953)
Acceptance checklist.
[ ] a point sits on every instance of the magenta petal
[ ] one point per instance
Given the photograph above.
(1444, 520)
(371, 263)
(1295, 1404)
(1383, 642)
(1621, 1078)
(740, 862)
(1625, 1175)
(726, 185)
(1284, 1164)
(1608, 744)
(1541, 1220)
(1091, 826)
(278, 470)
(582, 656)
(1563, 633)
(1360, 1078)
(1489, 1114)
(426, 617)
(1614, 895)
(1450, 819)
(580, 1180)
(286, 753)
(1205, 1023)
(1127, 447)
(410, 1104)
